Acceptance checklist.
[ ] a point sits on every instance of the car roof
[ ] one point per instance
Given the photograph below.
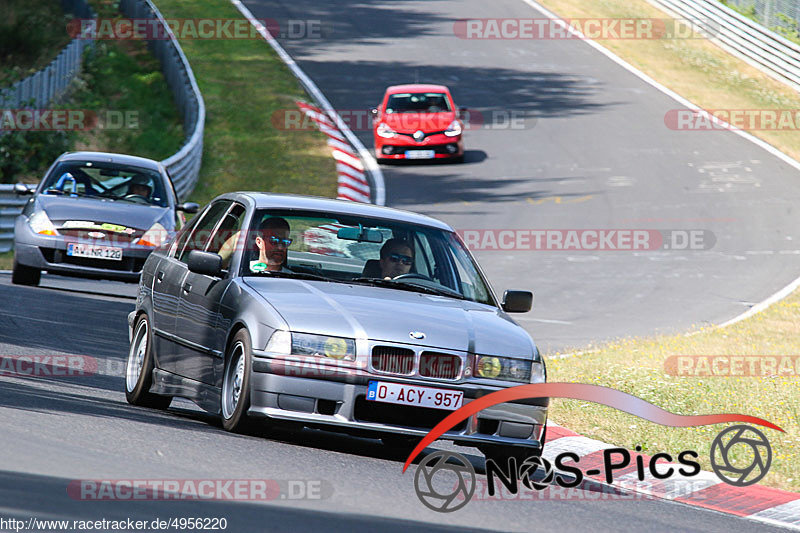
(417, 88)
(329, 205)
(122, 159)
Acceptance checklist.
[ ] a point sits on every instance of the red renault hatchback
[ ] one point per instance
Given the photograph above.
(418, 122)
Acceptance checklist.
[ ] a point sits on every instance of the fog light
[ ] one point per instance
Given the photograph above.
(452, 148)
(388, 150)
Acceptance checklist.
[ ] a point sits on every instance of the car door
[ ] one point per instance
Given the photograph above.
(169, 279)
(199, 326)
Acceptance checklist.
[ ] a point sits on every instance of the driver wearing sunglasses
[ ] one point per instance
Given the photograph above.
(396, 258)
(272, 242)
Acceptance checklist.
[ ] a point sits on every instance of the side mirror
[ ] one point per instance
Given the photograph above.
(21, 189)
(205, 263)
(463, 113)
(188, 207)
(374, 111)
(517, 301)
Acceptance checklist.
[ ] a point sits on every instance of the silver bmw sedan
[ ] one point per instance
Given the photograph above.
(270, 309)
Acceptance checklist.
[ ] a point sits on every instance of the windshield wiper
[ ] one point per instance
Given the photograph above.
(392, 284)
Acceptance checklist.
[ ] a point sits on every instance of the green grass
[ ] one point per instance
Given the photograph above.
(749, 11)
(32, 33)
(124, 77)
(637, 366)
(118, 77)
(6, 260)
(243, 83)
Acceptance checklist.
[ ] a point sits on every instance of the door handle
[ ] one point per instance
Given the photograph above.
(160, 276)
(187, 287)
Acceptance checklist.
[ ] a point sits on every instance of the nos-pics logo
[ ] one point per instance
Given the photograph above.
(434, 485)
(445, 481)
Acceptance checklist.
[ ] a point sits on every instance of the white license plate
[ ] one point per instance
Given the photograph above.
(420, 154)
(382, 391)
(94, 252)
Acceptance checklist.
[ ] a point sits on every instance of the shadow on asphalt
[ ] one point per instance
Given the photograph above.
(412, 189)
(54, 320)
(46, 497)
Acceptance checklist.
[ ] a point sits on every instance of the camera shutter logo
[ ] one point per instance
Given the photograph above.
(454, 498)
(737, 437)
(529, 467)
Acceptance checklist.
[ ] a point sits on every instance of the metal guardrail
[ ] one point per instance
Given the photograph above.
(184, 166)
(765, 49)
(49, 83)
(10, 207)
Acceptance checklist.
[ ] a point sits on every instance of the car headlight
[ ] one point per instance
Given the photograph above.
(538, 372)
(502, 368)
(280, 342)
(454, 129)
(292, 343)
(41, 224)
(385, 131)
(154, 237)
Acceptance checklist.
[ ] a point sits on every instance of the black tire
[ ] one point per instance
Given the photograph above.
(235, 394)
(25, 275)
(139, 368)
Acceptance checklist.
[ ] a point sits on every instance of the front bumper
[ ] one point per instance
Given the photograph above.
(339, 403)
(395, 148)
(47, 252)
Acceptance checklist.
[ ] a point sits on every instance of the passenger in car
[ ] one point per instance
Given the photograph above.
(272, 242)
(397, 256)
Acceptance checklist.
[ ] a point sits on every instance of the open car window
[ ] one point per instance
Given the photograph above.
(348, 249)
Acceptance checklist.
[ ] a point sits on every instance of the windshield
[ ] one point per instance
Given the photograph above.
(362, 250)
(418, 103)
(106, 180)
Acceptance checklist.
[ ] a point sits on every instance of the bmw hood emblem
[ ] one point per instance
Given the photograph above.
(418, 335)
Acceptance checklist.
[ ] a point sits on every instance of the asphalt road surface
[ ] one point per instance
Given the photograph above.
(593, 153)
(59, 431)
(588, 148)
